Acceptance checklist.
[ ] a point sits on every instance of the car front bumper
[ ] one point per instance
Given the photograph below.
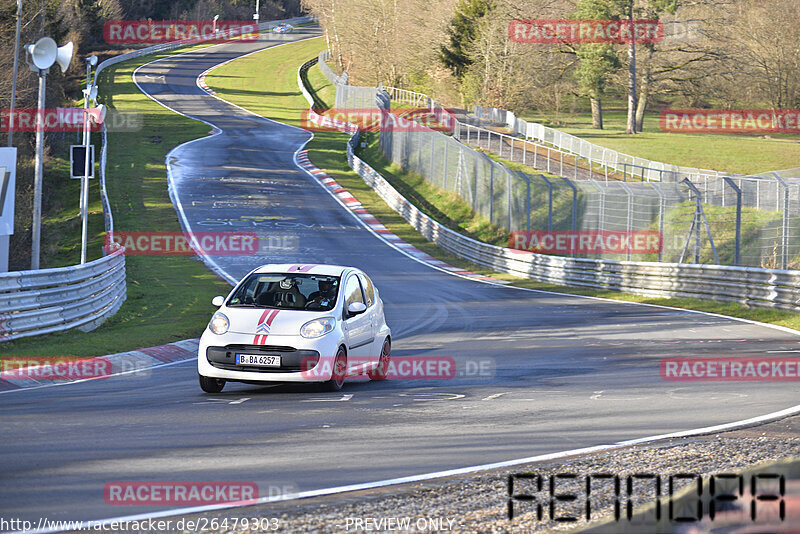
(302, 360)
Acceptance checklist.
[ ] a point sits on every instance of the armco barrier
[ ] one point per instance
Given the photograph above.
(53, 300)
(752, 286)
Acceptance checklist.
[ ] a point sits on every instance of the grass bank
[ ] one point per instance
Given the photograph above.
(735, 153)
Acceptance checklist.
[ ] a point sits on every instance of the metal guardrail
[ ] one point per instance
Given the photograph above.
(53, 300)
(752, 286)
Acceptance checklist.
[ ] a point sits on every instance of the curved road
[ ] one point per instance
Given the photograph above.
(565, 372)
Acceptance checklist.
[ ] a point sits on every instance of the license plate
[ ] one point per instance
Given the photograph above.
(257, 359)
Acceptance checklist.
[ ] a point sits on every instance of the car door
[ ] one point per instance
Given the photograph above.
(357, 328)
(372, 311)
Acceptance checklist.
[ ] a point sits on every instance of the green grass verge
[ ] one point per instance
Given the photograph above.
(275, 72)
(735, 153)
(169, 297)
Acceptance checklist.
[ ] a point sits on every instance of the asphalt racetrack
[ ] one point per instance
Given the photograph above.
(558, 372)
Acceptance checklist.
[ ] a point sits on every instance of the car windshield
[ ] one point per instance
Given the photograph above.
(311, 292)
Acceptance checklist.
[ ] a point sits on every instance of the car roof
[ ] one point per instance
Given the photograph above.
(303, 268)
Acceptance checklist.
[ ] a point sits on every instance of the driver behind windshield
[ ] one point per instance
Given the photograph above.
(323, 298)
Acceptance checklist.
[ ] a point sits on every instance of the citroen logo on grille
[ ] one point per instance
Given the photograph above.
(262, 328)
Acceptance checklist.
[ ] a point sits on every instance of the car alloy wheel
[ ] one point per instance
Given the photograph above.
(339, 372)
(379, 373)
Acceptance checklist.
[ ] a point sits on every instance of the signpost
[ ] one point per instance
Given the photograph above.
(8, 173)
(77, 161)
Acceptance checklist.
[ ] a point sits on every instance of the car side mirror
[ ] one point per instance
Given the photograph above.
(356, 308)
(218, 301)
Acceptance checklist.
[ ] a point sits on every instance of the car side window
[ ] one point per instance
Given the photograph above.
(352, 291)
(369, 290)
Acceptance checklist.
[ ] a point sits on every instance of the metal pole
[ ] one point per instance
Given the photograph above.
(661, 209)
(14, 82)
(785, 229)
(508, 197)
(780, 183)
(549, 202)
(527, 203)
(738, 241)
(698, 207)
(85, 179)
(629, 216)
(491, 193)
(36, 231)
(574, 203)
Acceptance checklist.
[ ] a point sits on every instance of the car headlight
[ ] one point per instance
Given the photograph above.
(219, 324)
(317, 327)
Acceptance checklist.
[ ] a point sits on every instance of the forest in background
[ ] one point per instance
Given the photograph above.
(716, 53)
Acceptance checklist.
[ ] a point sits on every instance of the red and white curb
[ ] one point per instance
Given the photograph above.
(352, 204)
(201, 83)
(135, 363)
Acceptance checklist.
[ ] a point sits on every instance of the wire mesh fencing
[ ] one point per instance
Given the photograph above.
(727, 220)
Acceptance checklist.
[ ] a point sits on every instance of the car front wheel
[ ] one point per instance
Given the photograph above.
(339, 372)
(211, 385)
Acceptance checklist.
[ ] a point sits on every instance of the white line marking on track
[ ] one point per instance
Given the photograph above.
(491, 397)
(344, 398)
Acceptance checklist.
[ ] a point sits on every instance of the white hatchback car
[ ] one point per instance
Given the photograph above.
(296, 323)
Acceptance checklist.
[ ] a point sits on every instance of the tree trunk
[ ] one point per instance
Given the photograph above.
(644, 91)
(641, 107)
(597, 114)
(631, 129)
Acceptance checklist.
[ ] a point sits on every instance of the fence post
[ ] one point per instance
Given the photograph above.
(549, 202)
(629, 215)
(527, 203)
(574, 203)
(444, 169)
(548, 159)
(699, 216)
(475, 189)
(433, 155)
(784, 219)
(575, 157)
(738, 241)
(508, 197)
(662, 206)
(491, 193)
